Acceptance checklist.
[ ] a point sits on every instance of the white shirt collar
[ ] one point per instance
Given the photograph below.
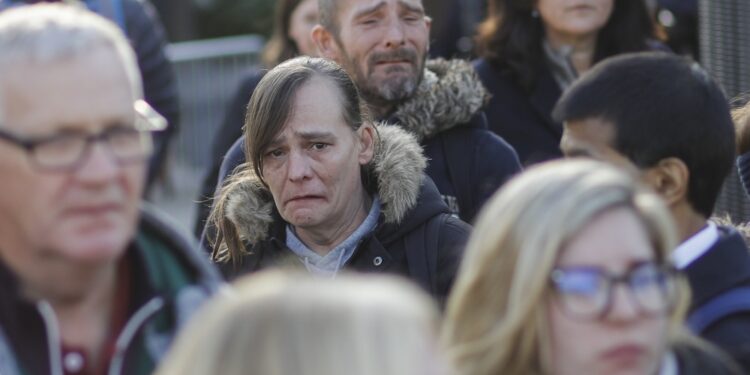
(695, 246)
(669, 365)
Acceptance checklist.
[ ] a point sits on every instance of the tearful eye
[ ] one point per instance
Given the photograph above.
(275, 153)
(319, 146)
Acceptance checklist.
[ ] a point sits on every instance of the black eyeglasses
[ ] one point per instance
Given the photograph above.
(127, 143)
(586, 292)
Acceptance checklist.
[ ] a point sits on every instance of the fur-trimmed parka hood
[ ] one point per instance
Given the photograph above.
(397, 168)
(449, 95)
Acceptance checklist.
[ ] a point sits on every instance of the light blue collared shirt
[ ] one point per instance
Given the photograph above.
(330, 264)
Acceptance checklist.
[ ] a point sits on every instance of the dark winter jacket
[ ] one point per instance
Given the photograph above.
(724, 266)
(692, 360)
(523, 119)
(409, 201)
(149, 40)
(467, 162)
(170, 281)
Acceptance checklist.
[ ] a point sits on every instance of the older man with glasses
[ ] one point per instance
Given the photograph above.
(89, 283)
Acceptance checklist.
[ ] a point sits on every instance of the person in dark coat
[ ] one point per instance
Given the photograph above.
(437, 100)
(291, 37)
(149, 40)
(466, 162)
(665, 119)
(530, 51)
(324, 189)
(442, 107)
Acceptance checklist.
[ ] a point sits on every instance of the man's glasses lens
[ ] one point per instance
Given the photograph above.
(58, 151)
(126, 144)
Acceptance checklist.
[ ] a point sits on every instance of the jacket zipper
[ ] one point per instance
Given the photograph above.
(128, 333)
(121, 345)
(53, 337)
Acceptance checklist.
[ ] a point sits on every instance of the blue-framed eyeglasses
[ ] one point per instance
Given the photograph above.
(127, 143)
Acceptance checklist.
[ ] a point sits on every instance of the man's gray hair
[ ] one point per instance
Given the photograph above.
(327, 13)
(47, 33)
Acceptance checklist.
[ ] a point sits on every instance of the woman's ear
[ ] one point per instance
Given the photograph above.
(669, 178)
(367, 143)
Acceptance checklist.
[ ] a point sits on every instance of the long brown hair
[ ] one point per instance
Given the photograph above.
(267, 114)
(280, 47)
(511, 37)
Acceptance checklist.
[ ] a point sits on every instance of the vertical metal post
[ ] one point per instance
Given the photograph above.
(725, 52)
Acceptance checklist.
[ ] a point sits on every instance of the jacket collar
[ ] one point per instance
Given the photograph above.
(398, 168)
(725, 265)
(24, 328)
(449, 95)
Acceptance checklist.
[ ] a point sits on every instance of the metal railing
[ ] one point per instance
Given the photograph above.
(725, 52)
(208, 74)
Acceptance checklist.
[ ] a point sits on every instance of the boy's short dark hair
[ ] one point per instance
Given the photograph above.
(661, 106)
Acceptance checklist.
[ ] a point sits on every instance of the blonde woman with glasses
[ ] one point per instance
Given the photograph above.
(567, 272)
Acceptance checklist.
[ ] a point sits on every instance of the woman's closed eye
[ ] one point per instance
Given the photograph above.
(275, 153)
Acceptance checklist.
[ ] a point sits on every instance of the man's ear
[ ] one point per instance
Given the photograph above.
(326, 43)
(367, 143)
(669, 178)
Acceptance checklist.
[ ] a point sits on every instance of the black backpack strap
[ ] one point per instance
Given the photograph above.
(421, 253)
(734, 301)
(459, 171)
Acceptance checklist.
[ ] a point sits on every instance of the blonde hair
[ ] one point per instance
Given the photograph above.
(741, 119)
(48, 33)
(277, 323)
(495, 321)
(741, 114)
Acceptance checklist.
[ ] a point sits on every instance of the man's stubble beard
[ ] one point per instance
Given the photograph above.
(383, 98)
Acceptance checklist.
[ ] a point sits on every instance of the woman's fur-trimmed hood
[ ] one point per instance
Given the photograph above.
(449, 94)
(397, 167)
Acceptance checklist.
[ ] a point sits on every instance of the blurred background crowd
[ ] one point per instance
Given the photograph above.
(214, 43)
(365, 137)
